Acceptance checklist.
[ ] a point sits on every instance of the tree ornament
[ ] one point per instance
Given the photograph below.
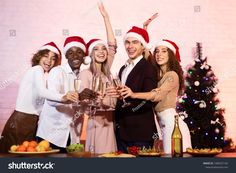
(215, 90)
(217, 130)
(196, 83)
(207, 67)
(181, 100)
(202, 103)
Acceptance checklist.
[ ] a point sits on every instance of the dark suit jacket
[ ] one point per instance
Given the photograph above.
(136, 122)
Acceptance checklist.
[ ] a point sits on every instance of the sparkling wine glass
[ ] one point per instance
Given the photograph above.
(78, 113)
(118, 85)
(108, 84)
(102, 90)
(95, 88)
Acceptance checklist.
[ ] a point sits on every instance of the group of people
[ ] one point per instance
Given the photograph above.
(150, 83)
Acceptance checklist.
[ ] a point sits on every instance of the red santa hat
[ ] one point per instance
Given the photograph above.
(172, 46)
(93, 42)
(140, 34)
(74, 41)
(52, 47)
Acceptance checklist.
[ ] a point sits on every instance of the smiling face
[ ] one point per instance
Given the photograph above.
(100, 53)
(47, 61)
(161, 55)
(75, 56)
(133, 47)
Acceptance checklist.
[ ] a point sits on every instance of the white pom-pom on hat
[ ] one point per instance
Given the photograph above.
(149, 46)
(87, 60)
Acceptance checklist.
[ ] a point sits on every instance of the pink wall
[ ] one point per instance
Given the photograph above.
(25, 25)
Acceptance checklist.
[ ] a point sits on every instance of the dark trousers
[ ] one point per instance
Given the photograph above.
(123, 145)
(19, 127)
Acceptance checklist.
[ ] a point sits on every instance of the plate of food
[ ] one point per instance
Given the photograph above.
(116, 155)
(204, 152)
(77, 150)
(33, 148)
(52, 151)
(149, 153)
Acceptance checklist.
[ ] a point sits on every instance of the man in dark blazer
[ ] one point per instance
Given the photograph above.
(135, 125)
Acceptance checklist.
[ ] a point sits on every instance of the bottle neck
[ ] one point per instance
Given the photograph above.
(176, 120)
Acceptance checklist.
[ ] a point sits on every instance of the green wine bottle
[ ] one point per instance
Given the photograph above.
(176, 140)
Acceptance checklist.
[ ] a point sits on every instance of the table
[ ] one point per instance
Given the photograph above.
(65, 155)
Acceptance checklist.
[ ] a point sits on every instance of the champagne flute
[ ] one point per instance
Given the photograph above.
(102, 90)
(95, 88)
(117, 84)
(77, 83)
(78, 113)
(108, 84)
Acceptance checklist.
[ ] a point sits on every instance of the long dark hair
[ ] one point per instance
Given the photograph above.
(38, 55)
(172, 65)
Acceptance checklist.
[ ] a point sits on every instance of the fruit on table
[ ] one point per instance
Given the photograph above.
(25, 143)
(14, 147)
(31, 149)
(44, 144)
(204, 150)
(31, 146)
(40, 148)
(75, 148)
(21, 148)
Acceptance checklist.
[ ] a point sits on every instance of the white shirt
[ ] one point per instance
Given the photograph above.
(55, 120)
(32, 92)
(129, 67)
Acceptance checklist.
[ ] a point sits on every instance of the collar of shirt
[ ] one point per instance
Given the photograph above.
(68, 69)
(133, 62)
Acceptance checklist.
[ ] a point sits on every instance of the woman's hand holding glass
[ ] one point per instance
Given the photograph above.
(126, 92)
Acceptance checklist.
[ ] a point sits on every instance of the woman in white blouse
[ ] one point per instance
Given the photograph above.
(22, 124)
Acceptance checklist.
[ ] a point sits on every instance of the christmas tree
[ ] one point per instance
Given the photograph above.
(199, 104)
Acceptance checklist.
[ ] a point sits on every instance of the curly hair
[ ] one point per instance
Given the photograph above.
(172, 65)
(41, 53)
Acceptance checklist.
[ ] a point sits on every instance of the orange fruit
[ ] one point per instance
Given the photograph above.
(26, 143)
(33, 144)
(31, 149)
(45, 144)
(21, 148)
